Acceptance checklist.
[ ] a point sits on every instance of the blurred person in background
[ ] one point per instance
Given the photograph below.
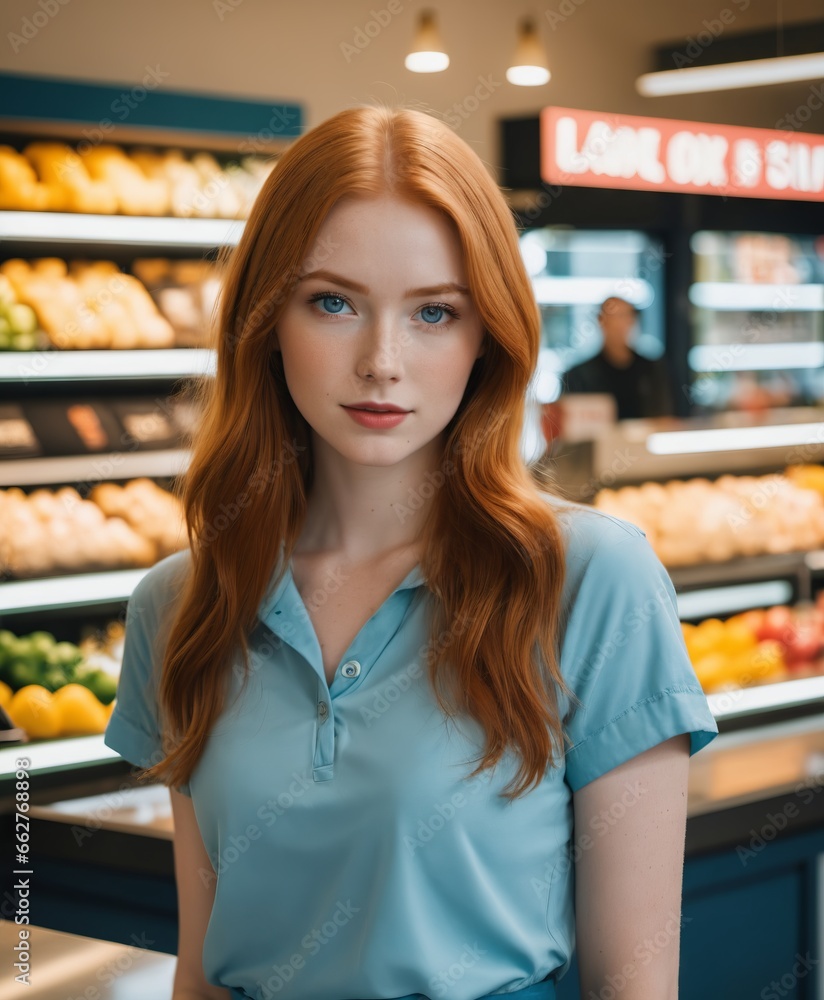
(640, 385)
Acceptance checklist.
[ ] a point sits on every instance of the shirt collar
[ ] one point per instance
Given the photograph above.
(414, 578)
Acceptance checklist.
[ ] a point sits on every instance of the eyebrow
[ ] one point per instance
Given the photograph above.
(448, 286)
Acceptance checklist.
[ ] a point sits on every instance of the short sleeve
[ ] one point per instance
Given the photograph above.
(133, 729)
(624, 657)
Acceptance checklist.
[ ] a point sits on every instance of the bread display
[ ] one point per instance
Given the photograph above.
(47, 531)
(695, 520)
(105, 179)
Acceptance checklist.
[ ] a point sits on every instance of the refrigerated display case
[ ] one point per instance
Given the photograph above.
(572, 272)
(757, 317)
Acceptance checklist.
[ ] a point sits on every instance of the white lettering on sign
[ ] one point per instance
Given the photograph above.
(791, 164)
(622, 152)
(748, 164)
(697, 158)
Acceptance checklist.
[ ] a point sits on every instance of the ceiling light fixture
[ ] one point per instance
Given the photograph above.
(530, 67)
(428, 53)
(732, 76)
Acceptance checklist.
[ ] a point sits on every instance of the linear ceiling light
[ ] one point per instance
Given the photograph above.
(730, 76)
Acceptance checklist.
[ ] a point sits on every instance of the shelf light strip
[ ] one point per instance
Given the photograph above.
(75, 226)
(69, 591)
(40, 366)
(734, 438)
(714, 601)
(751, 296)
(755, 357)
(763, 697)
(87, 468)
(572, 291)
(56, 753)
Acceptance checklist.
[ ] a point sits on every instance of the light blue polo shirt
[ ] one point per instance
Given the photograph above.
(352, 857)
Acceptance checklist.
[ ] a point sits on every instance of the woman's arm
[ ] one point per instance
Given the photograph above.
(195, 897)
(630, 830)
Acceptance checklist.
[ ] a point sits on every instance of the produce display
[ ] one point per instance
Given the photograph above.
(18, 321)
(186, 293)
(86, 304)
(696, 520)
(105, 179)
(759, 646)
(807, 477)
(46, 531)
(154, 513)
(50, 688)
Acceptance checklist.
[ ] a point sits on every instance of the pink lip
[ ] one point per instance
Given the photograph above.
(377, 421)
(365, 404)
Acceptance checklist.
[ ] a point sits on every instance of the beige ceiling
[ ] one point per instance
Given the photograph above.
(298, 51)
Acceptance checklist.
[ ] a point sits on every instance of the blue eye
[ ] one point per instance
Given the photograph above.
(326, 297)
(429, 310)
(439, 307)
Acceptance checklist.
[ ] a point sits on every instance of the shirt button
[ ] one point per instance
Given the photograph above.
(351, 668)
(323, 711)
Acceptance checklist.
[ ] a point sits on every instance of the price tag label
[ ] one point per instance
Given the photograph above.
(145, 427)
(16, 432)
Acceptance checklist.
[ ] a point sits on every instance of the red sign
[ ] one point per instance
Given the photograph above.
(597, 149)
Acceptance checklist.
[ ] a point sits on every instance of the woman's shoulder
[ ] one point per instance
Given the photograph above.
(162, 581)
(587, 530)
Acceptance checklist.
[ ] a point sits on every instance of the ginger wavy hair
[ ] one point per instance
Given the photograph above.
(492, 546)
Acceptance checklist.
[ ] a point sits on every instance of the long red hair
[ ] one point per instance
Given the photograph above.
(492, 546)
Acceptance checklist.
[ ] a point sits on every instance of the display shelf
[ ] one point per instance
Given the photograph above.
(89, 366)
(78, 590)
(53, 755)
(158, 231)
(86, 468)
(751, 701)
(747, 296)
(796, 566)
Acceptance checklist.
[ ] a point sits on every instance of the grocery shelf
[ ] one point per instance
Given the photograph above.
(712, 602)
(156, 231)
(738, 702)
(49, 755)
(748, 296)
(755, 357)
(86, 468)
(48, 366)
(69, 591)
(768, 566)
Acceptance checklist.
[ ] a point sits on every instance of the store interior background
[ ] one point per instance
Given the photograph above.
(769, 758)
(292, 52)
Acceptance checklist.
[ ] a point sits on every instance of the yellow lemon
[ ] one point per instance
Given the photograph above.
(712, 669)
(5, 694)
(737, 638)
(81, 714)
(32, 708)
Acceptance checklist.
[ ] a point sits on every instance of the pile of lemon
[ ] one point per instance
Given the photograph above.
(72, 710)
(728, 654)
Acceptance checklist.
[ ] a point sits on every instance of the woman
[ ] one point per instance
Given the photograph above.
(371, 604)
